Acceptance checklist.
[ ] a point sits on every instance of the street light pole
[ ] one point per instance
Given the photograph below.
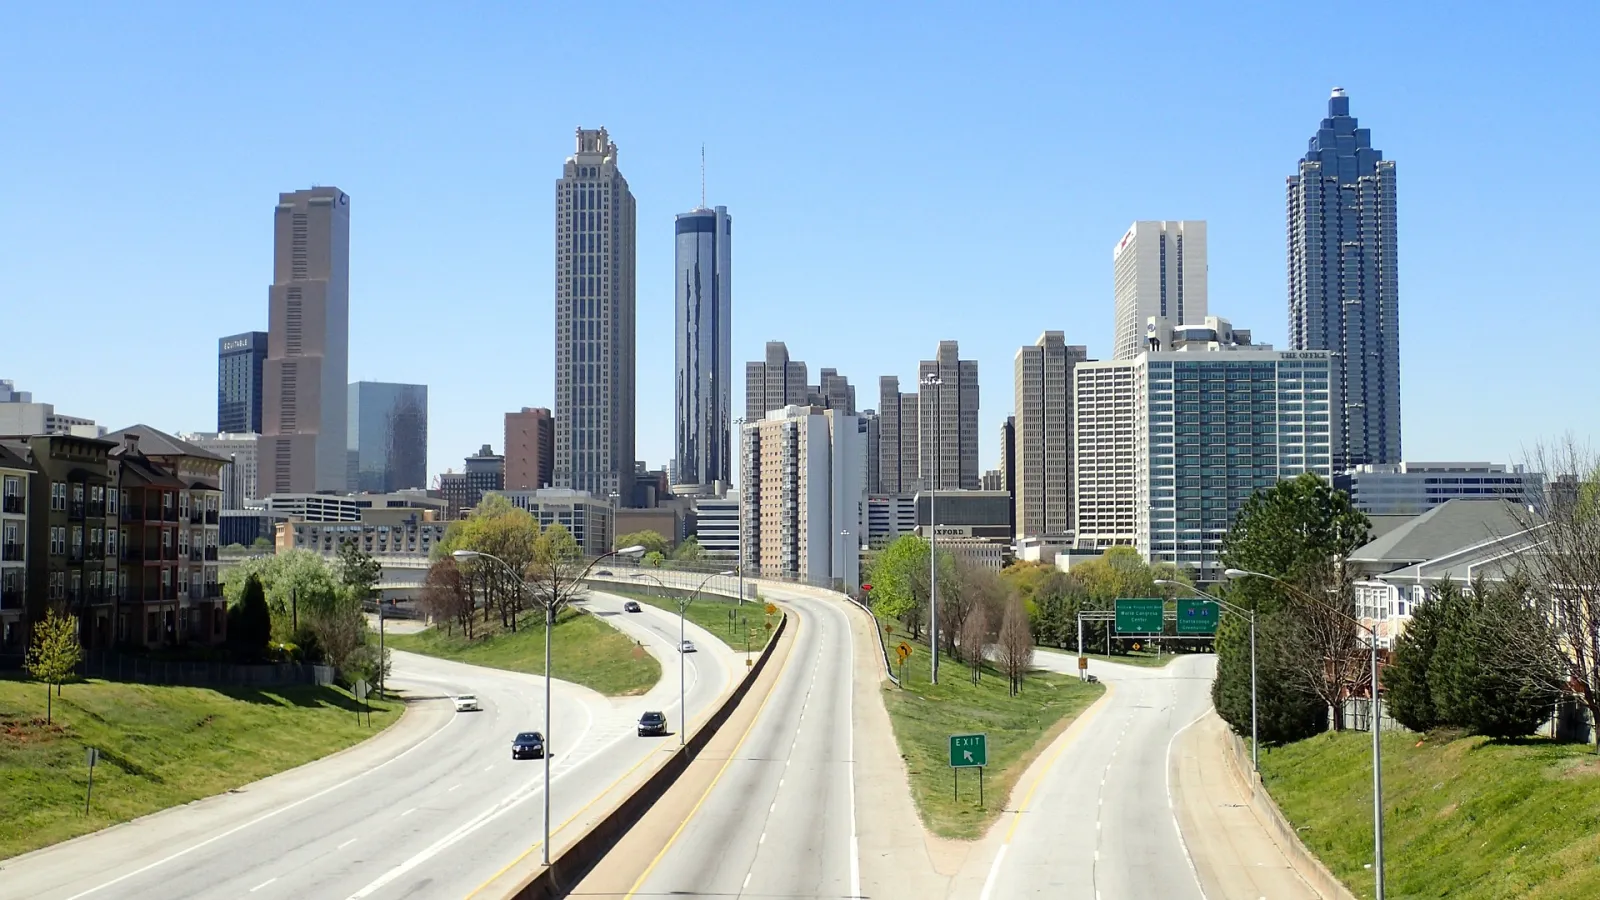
(1255, 734)
(683, 609)
(1375, 712)
(549, 623)
(937, 383)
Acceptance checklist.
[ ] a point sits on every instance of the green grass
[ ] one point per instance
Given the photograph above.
(583, 650)
(712, 614)
(159, 746)
(924, 716)
(1468, 819)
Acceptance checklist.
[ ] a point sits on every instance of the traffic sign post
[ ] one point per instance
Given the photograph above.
(968, 751)
(91, 756)
(1139, 615)
(1197, 617)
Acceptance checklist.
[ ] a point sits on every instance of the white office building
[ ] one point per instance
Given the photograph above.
(1171, 443)
(590, 520)
(1160, 271)
(19, 415)
(1413, 488)
(802, 495)
(716, 525)
(239, 481)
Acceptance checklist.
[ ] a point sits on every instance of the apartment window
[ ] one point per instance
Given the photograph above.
(58, 496)
(183, 503)
(111, 543)
(58, 585)
(77, 493)
(166, 539)
(58, 540)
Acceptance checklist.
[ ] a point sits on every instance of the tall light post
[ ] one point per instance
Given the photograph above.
(549, 623)
(683, 608)
(1255, 738)
(937, 383)
(1377, 747)
(740, 516)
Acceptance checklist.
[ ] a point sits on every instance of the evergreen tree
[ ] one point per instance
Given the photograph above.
(250, 621)
(1405, 681)
(1470, 684)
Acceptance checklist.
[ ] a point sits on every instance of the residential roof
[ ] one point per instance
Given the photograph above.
(1448, 527)
(1384, 523)
(155, 442)
(15, 456)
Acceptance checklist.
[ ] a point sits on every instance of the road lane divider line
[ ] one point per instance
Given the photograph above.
(263, 884)
(1173, 809)
(346, 844)
(734, 754)
(268, 815)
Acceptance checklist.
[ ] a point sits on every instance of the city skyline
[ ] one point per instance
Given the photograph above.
(882, 268)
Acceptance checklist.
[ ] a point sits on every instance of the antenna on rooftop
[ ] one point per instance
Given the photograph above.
(702, 175)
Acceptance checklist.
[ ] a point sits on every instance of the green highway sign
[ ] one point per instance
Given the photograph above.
(1140, 615)
(1197, 617)
(969, 751)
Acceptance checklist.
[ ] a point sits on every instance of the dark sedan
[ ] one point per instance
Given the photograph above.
(652, 723)
(528, 745)
(631, 606)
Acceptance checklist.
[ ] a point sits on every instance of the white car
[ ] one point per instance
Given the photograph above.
(686, 647)
(467, 703)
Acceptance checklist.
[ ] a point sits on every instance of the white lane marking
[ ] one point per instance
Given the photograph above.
(763, 839)
(263, 884)
(265, 816)
(1173, 809)
(747, 879)
(453, 787)
(773, 807)
(488, 768)
(850, 748)
(346, 844)
(408, 812)
(994, 873)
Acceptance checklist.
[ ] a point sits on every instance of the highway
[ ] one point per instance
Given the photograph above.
(779, 821)
(1098, 823)
(434, 810)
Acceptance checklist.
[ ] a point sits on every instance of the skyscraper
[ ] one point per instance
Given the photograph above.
(595, 304)
(1159, 270)
(1043, 435)
(239, 361)
(1344, 286)
(530, 446)
(303, 420)
(774, 383)
(388, 438)
(835, 392)
(948, 415)
(704, 342)
(897, 439)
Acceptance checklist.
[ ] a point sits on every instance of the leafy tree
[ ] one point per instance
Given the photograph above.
(299, 585)
(445, 597)
(250, 621)
(1295, 530)
(261, 543)
(1405, 681)
(651, 541)
(556, 570)
(55, 653)
(688, 551)
(358, 571)
(900, 581)
(653, 559)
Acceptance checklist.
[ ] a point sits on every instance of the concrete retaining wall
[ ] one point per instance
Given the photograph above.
(1304, 861)
(574, 863)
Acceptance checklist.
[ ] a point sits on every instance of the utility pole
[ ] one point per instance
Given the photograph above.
(933, 533)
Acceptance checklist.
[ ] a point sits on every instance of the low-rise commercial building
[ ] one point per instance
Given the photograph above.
(355, 507)
(590, 520)
(1412, 488)
(716, 526)
(414, 537)
(971, 525)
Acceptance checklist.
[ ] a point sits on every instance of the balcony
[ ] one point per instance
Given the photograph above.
(169, 554)
(130, 514)
(213, 592)
(75, 555)
(170, 513)
(11, 553)
(211, 517)
(97, 509)
(14, 503)
(75, 509)
(211, 554)
(196, 516)
(95, 551)
(133, 554)
(195, 554)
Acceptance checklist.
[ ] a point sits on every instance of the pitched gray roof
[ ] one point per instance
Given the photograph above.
(155, 442)
(1448, 527)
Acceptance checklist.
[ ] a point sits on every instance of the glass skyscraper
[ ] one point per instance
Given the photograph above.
(388, 439)
(239, 359)
(703, 341)
(1344, 287)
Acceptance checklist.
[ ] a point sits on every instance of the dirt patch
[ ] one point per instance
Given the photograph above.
(1581, 768)
(29, 731)
(1448, 811)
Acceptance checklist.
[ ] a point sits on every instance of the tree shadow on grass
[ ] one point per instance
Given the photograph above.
(305, 696)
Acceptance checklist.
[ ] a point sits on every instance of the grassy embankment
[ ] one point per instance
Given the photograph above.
(735, 625)
(583, 650)
(1468, 818)
(924, 716)
(160, 746)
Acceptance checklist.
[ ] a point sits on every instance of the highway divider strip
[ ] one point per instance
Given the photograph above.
(579, 858)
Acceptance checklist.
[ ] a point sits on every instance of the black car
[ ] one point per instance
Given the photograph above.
(604, 573)
(652, 723)
(631, 606)
(528, 745)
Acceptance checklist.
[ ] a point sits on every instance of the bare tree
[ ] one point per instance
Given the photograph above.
(1559, 556)
(341, 631)
(974, 638)
(1015, 645)
(1321, 647)
(446, 598)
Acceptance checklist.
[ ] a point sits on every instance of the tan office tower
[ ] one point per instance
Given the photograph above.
(948, 414)
(774, 383)
(1159, 269)
(595, 305)
(530, 449)
(304, 400)
(1043, 489)
(897, 438)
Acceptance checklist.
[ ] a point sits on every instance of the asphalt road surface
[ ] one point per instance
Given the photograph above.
(780, 819)
(1101, 825)
(434, 812)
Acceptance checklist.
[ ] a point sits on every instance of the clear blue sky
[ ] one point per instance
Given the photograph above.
(897, 176)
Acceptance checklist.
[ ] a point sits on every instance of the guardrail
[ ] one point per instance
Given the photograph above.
(581, 856)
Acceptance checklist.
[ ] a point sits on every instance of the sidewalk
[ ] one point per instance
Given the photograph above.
(1233, 851)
